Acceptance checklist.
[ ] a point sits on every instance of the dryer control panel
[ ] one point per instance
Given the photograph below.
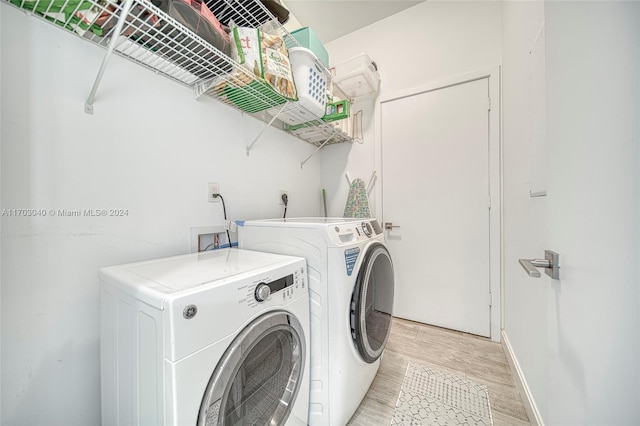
(347, 233)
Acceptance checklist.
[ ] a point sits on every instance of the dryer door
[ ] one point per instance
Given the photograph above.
(372, 303)
(257, 379)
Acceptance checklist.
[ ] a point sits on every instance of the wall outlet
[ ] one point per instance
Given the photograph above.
(282, 192)
(213, 188)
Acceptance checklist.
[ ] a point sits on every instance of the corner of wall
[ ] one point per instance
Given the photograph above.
(521, 383)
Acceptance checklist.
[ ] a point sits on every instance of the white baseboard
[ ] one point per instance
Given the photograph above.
(521, 383)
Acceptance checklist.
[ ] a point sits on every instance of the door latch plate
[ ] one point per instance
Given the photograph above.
(554, 261)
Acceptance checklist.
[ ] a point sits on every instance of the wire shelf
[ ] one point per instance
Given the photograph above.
(155, 40)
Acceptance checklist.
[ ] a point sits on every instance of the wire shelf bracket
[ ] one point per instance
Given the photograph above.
(265, 127)
(318, 148)
(88, 105)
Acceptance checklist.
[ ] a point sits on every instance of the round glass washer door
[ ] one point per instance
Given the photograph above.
(372, 303)
(258, 378)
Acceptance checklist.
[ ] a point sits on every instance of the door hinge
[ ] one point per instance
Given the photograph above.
(490, 299)
(489, 104)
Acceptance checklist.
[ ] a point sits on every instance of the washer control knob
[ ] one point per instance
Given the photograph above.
(263, 291)
(366, 227)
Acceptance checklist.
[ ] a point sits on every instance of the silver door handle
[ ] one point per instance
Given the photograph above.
(530, 266)
(389, 226)
(550, 263)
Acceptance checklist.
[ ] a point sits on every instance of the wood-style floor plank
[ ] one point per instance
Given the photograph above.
(465, 355)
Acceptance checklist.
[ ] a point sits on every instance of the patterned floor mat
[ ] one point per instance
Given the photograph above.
(433, 397)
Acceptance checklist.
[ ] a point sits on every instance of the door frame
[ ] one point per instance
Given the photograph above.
(495, 174)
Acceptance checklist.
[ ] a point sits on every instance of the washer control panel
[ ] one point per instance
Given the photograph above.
(263, 289)
(268, 289)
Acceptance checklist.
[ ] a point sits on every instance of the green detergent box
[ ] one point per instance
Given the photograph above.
(307, 38)
(338, 110)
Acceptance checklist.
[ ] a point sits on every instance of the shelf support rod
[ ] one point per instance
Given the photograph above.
(372, 179)
(319, 148)
(265, 128)
(88, 105)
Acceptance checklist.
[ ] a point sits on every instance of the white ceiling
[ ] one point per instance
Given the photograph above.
(331, 19)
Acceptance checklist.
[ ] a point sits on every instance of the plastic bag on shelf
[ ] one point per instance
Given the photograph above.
(76, 15)
(139, 21)
(170, 45)
(195, 15)
(263, 51)
(248, 13)
(262, 77)
(277, 9)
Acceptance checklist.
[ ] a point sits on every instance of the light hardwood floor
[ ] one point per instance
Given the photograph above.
(475, 358)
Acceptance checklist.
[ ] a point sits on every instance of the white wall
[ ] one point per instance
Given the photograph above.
(1, 107)
(593, 142)
(428, 42)
(525, 302)
(576, 339)
(149, 148)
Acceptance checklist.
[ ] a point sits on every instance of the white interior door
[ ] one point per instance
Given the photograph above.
(435, 191)
(576, 339)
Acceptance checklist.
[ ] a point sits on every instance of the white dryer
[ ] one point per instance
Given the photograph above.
(215, 338)
(351, 287)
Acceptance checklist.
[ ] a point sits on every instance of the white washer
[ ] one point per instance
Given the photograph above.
(351, 288)
(205, 339)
